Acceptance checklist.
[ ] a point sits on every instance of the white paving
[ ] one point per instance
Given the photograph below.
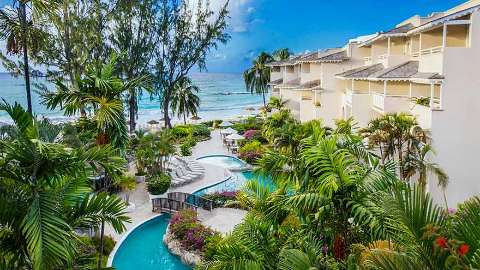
(220, 219)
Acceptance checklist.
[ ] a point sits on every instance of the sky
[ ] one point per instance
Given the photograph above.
(301, 25)
(304, 25)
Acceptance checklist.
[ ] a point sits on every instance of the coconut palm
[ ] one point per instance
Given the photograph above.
(98, 98)
(25, 35)
(282, 54)
(185, 102)
(276, 103)
(45, 196)
(257, 76)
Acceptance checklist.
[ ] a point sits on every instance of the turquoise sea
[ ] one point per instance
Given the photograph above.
(222, 95)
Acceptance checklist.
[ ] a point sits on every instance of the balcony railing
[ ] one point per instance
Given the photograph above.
(348, 97)
(378, 101)
(432, 50)
(382, 56)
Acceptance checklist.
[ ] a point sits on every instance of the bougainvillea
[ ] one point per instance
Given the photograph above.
(186, 228)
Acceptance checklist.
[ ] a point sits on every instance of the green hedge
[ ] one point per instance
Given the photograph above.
(159, 184)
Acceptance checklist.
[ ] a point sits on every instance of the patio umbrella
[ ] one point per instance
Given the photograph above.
(228, 131)
(250, 109)
(152, 122)
(196, 117)
(235, 137)
(226, 124)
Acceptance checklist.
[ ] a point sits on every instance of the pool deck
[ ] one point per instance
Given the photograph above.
(220, 219)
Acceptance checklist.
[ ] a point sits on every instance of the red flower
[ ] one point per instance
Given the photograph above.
(463, 249)
(441, 242)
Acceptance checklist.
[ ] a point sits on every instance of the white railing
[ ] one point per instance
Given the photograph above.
(378, 101)
(348, 97)
(382, 56)
(368, 60)
(415, 54)
(432, 50)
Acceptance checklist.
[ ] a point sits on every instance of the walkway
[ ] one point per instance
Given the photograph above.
(220, 219)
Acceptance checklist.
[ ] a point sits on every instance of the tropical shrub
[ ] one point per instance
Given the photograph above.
(250, 133)
(180, 131)
(108, 244)
(159, 183)
(249, 123)
(200, 131)
(185, 150)
(424, 101)
(186, 228)
(221, 198)
(212, 123)
(251, 151)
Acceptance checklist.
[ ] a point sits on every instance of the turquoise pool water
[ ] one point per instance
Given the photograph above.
(143, 249)
(223, 161)
(235, 183)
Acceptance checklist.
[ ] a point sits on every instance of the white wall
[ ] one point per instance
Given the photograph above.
(456, 129)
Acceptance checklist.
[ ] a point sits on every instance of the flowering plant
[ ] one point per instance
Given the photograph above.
(221, 198)
(249, 134)
(454, 250)
(186, 228)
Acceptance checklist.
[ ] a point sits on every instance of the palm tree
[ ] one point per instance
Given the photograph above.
(257, 77)
(24, 35)
(276, 103)
(282, 54)
(46, 196)
(98, 98)
(185, 102)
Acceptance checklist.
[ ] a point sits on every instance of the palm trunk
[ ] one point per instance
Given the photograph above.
(264, 102)
(132, 103)
(184, 119)
(166, 104)
(102, 236)
(26, 69)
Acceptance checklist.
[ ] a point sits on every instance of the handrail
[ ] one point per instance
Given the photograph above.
(431, 50)
(192, 199)
(166, 205)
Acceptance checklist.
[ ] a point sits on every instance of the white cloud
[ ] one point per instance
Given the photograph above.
(240, 12)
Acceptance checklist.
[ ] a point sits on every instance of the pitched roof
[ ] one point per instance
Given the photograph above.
(289, 62)
(403, 29)
(361, 72)
(290, 84)
(315, 84)
(406, 70)
(328, 55)
(403, 70)
(276, 82)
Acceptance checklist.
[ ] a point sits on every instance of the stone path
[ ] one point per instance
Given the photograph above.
(220, 219)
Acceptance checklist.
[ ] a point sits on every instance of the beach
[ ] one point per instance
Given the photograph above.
(222, 95)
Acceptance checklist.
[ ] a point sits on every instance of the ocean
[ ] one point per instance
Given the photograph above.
(222, 96)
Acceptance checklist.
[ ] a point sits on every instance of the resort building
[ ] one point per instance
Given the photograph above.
(425, 66)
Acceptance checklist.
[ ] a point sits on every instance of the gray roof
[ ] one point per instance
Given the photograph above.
(289, 62)
(328, 55)
(406, 70)
(361, 72)
(403, 29)
(276, 82)
(403, 70)
(311, 84)
(291, 84)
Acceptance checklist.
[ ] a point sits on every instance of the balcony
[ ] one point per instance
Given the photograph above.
(349, 97)
(368, 60)
(390, 103)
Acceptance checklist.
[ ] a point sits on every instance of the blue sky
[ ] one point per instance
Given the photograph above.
(265, 25)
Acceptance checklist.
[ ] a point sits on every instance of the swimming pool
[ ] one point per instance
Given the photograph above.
(144, 249)
(228, 162)
(235, 182)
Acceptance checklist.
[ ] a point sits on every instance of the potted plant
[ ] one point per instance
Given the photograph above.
(127, 183)
(158, 184)
(140, 163)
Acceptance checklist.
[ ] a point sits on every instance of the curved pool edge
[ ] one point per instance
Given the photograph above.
(245, 166)
(124, 237)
